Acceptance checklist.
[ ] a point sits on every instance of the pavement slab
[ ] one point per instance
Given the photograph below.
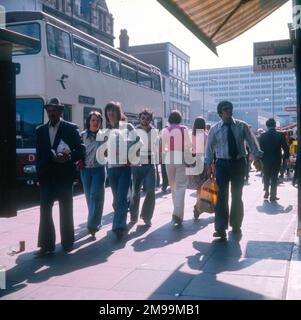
(162, 262)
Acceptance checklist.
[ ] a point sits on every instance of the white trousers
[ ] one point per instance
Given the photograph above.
(178, 182)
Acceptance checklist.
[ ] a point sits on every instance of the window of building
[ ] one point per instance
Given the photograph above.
(179, 67)
(170, 60)
(174, 64)
(183, 70)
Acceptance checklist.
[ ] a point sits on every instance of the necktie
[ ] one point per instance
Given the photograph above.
(233, 152)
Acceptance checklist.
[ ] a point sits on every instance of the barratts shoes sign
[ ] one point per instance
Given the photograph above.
(273, 56)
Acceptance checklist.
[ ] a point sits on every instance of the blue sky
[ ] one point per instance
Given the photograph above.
(148, 22)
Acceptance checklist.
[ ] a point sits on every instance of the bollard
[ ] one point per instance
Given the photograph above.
(21, 246)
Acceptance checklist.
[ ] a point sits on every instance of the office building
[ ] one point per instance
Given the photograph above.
(174, 66)
(256, 96)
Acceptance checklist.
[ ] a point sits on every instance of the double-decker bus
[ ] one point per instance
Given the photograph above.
(83, 72)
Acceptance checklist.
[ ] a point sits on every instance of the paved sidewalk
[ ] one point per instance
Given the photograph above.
(162, 262)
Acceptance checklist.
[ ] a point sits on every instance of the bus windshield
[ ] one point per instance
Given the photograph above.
(28, 29)
(29, 114)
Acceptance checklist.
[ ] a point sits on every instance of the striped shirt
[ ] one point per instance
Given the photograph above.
(217, 141)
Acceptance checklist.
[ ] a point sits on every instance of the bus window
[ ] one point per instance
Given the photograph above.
(156, 82)
(67, 114)
(29, 114)
(109, 64)
(144, 79)
(87, 110)
(85, 55)
(28, 29)
(128, 73)
(58, 42)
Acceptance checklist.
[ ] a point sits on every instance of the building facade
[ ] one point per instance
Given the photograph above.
(255, 95)
(90, 16)
(202, 105)
(174, 66)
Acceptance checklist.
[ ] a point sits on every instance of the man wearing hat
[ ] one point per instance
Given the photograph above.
(59, 147)
(227, 140)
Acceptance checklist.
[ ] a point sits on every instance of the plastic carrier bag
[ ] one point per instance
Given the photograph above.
(207, 197)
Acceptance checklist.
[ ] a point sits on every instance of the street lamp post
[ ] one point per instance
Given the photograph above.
(203, 90)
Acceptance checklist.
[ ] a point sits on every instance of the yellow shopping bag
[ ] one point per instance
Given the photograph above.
(207, 197)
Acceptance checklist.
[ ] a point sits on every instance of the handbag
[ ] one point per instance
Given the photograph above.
(207, 197)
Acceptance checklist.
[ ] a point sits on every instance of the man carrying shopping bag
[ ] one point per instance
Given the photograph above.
(227, 140)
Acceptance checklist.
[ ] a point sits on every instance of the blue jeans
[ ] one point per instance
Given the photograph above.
(146, 174)
(120, 180)
(93, 180)
(229, 171)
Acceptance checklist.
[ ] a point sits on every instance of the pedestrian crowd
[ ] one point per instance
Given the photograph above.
(130, 157)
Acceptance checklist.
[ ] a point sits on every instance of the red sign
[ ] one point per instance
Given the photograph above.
(291, 109)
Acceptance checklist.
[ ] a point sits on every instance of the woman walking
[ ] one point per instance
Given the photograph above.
(199, 139)
(92, 173)
(122, 136)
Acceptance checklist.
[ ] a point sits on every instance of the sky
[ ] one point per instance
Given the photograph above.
(148, 22)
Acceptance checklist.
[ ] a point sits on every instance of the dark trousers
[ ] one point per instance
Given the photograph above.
(164, 177)
(49, 192)
(229, 171)
(146, 174)
(270, 177)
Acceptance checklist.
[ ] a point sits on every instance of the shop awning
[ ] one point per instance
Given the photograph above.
(215, 22)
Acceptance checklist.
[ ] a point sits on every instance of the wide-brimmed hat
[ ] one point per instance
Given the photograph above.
(54, 102)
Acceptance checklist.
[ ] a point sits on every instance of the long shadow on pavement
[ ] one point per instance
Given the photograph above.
(273, 208)
(30, 270)
(224, 258)
(168, 234)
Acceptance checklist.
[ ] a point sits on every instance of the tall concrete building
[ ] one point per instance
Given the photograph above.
(256, 96)
(204, 105)
(90, 16)
(174, 66)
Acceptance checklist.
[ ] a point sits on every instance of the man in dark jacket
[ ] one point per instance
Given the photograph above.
(59, 147)
(272, 143)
